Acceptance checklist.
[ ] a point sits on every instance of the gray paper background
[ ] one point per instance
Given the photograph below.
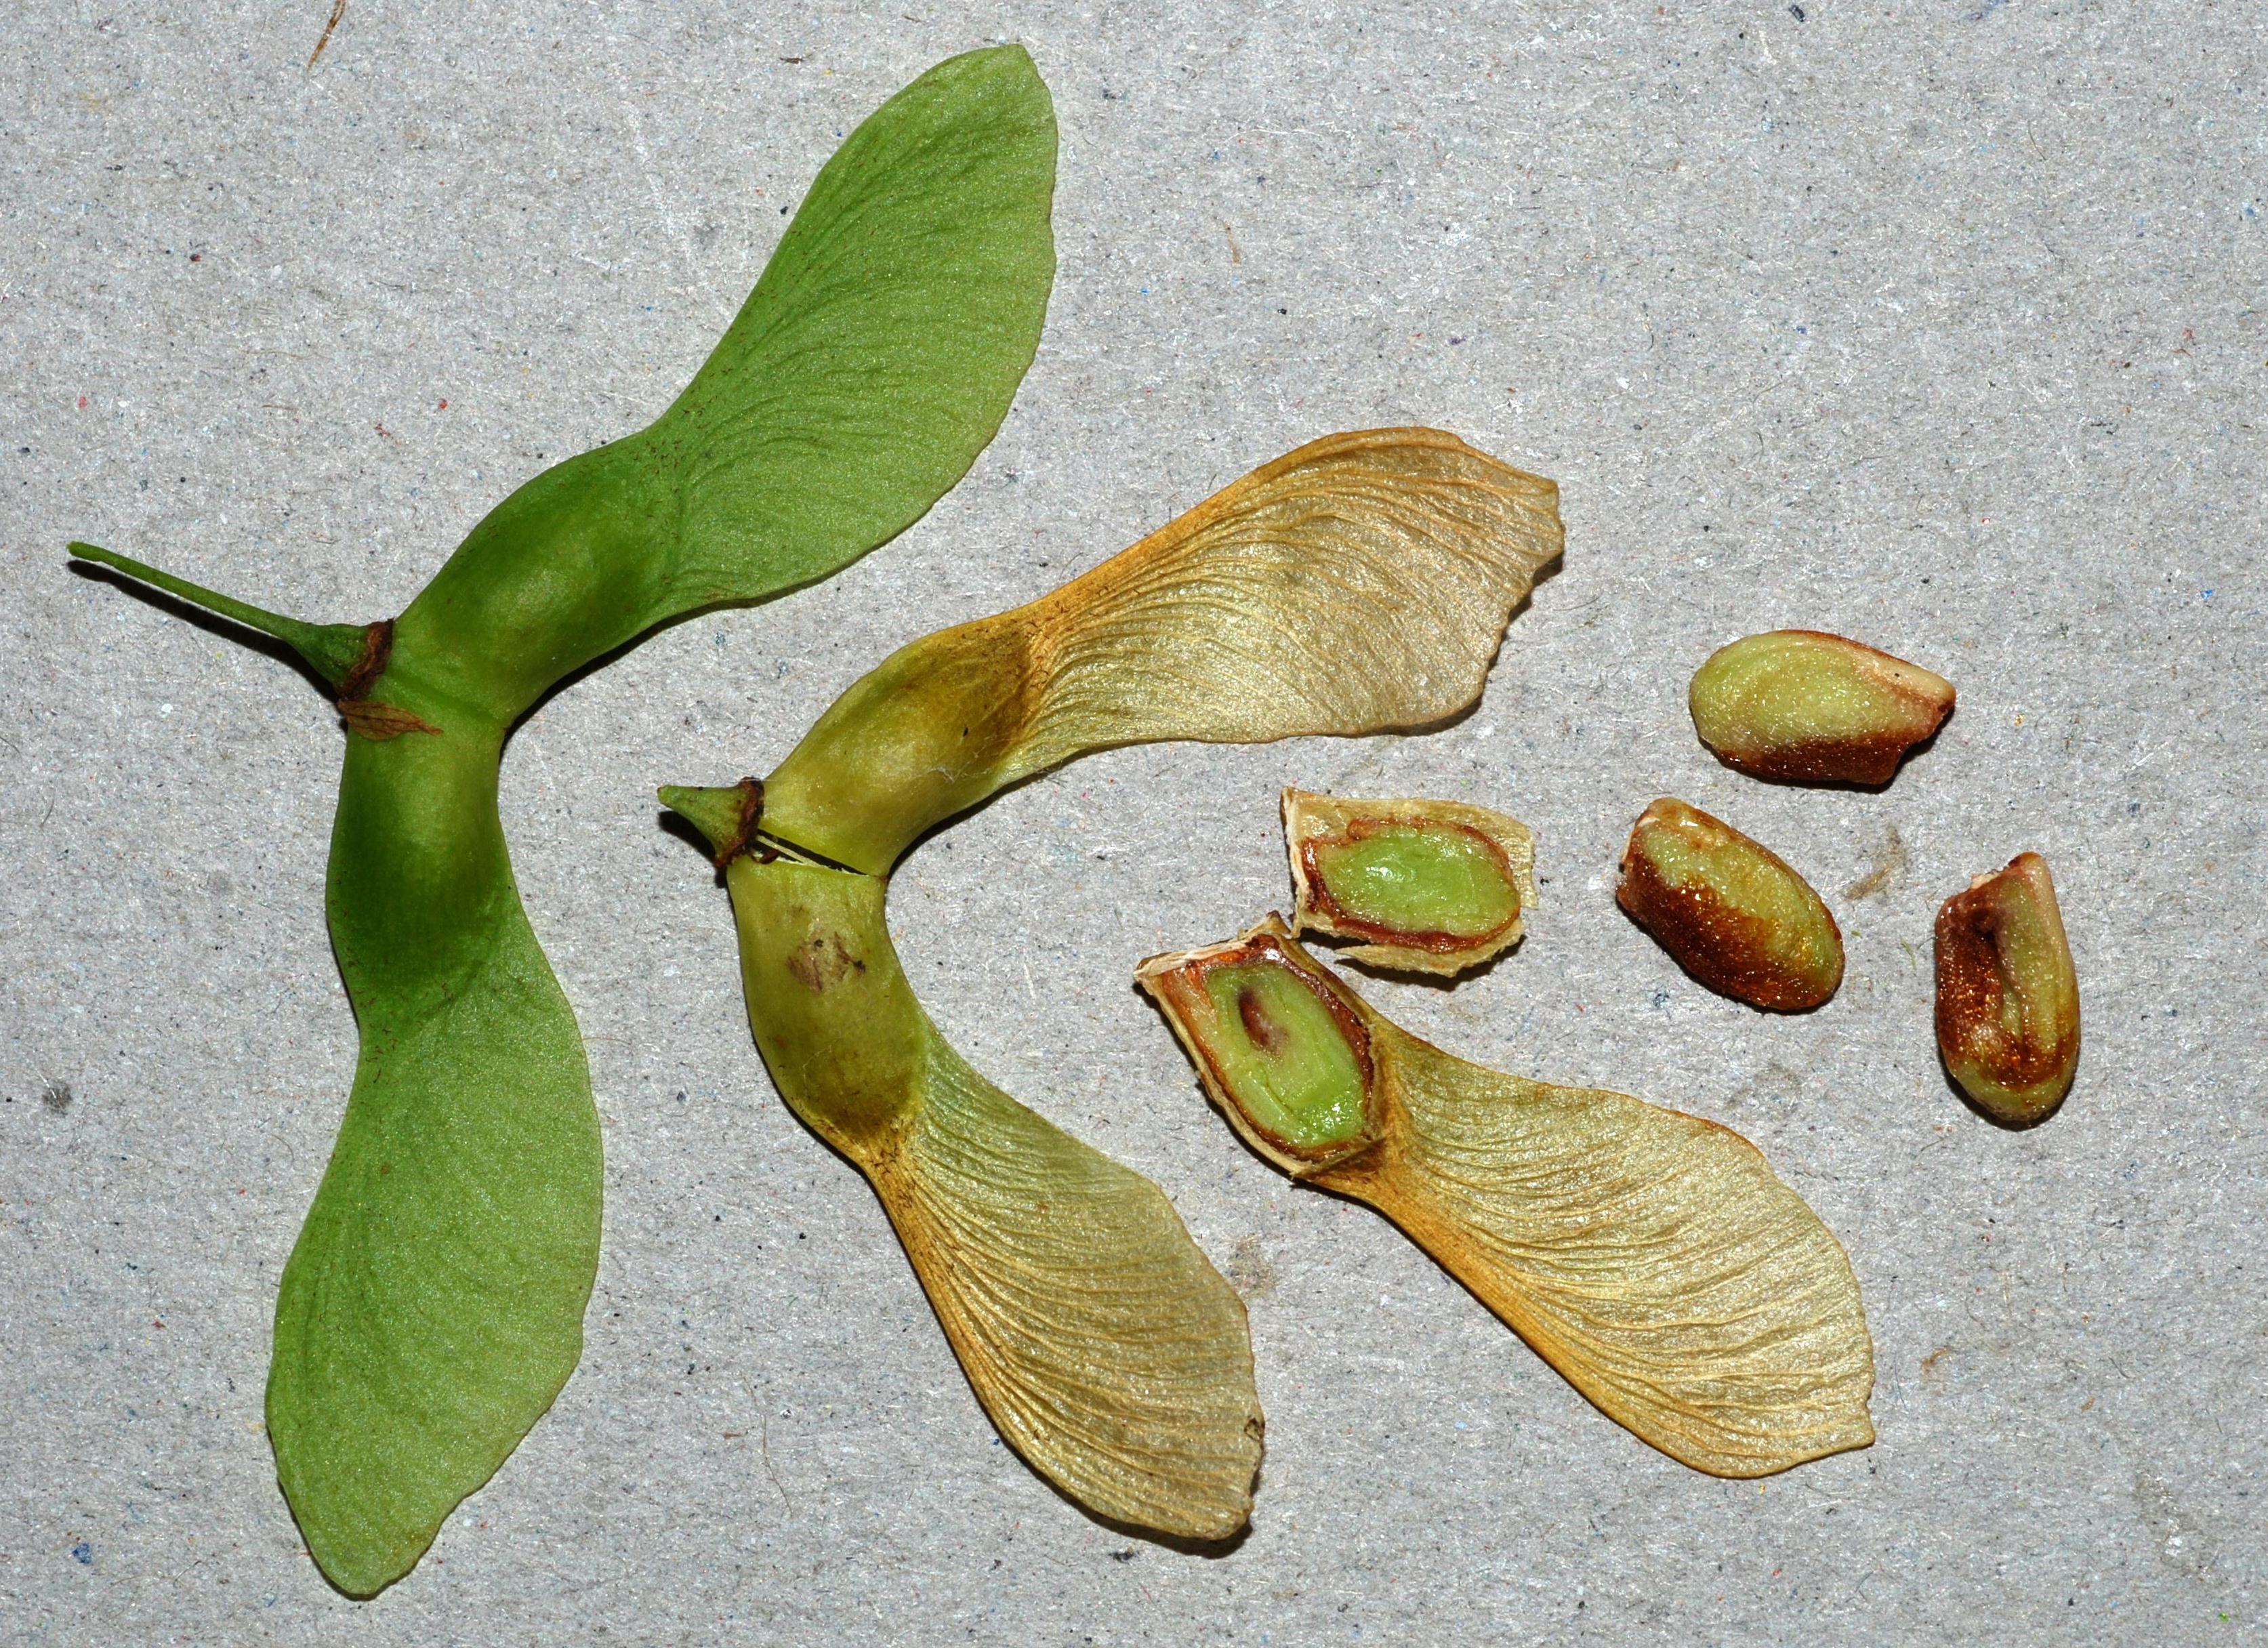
(1936, 324)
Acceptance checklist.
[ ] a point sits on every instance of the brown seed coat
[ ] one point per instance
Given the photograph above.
(1728, 948)
(2018, 1080)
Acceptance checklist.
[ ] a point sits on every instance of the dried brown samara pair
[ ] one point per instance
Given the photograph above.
(1808, 708)
(1360, 585)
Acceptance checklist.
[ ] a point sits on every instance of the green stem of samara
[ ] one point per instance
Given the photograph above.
(331, 650)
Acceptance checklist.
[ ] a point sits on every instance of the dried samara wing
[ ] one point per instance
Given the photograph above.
(1427, 886)
(1651, 1257)
(1359, 584)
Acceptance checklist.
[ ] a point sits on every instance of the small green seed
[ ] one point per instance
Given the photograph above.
(1819, 709)
(1729, 910)
(2007, 998)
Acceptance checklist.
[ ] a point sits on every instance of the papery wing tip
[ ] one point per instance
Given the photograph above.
(1031, 1246)
(1856, 1434)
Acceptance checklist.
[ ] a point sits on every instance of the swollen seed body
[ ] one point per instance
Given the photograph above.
(1429, 887)
(2007, 997)
(1815, 708)
(1729, 910)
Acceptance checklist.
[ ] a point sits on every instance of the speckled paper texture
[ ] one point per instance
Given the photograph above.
(1939, 325)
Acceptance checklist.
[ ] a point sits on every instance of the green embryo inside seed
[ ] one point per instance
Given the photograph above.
(1420, 879)
(1282, 1055)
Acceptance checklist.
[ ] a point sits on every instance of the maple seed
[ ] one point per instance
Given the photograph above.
(1654, 1259)
(1815, 708)
(2008, 999)
(1430, 886)
(1729, 910)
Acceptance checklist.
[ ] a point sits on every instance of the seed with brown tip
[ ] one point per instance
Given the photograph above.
(1729, 910)
(2008, 999)
(1816, 708)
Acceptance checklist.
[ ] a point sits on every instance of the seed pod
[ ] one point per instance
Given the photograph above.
(2008, 999)
(1729, 910)
(433, 1305)
(1818, 709)
(1100, 1341)
(1430, 886)
(1651, 1257)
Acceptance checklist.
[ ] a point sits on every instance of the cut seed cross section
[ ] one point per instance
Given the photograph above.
(1429, 887)
(1279, 1037)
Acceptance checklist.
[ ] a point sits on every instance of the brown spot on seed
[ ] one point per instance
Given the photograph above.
(1266, 1033)
(1871, 760)
(823, 961)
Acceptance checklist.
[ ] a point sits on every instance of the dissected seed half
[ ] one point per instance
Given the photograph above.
(1805, 705)
(1653, 1258)
(1729, 910)
(1284, 1052)
(2008, 999)
(1430, 886)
